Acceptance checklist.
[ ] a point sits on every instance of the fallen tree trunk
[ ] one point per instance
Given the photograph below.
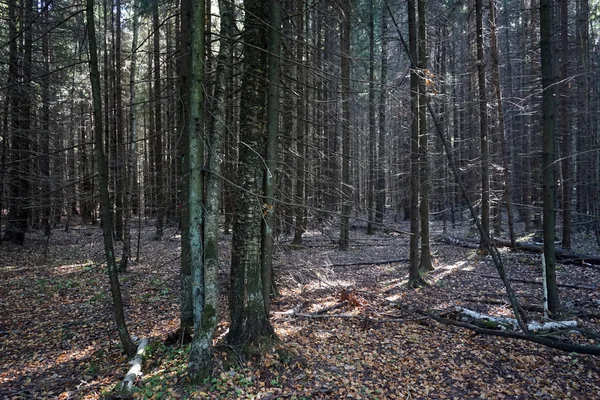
(533, 282)
(504, 322)
(563, 255)
(133, 373)
(568, 347)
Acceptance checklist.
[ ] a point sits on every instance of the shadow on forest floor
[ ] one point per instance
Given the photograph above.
(57, 338)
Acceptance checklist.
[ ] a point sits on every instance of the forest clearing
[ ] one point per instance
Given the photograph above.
(58, 338)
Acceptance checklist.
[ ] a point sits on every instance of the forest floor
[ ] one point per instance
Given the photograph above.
(57, 336)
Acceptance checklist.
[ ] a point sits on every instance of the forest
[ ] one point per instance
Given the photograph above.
(288, 199)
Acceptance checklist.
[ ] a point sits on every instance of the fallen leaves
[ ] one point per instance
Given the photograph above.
(58, 341)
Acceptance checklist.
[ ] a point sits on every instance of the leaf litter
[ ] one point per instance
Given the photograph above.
(348, 329)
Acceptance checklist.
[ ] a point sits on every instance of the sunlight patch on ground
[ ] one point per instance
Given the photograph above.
(448, 269)
(285, 330)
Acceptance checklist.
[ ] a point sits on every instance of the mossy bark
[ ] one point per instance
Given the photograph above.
(249, 320)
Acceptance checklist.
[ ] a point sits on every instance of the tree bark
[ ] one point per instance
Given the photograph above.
(186, 305)
(381, 149)
(347, 188)
(414, 276)
(204, 314)
(483, 128)
(549, 185)
(271, 153)
(372, 178)
(249, 320)
(426, 263)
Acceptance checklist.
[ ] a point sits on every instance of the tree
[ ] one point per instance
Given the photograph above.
(271, 152)
(107, 229)
(249, 319)
(372, 179)
(204, 313)
(424, 77)
(186, 304)
(347, 189)
(414, 275)
(548, 91)
(381, 148)
(483, 129)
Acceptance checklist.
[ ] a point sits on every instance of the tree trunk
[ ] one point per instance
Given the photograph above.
(204, 313)
(414, 277)
(271, 153)
(426, 263)
(546, 32)
(249, 320)
(115, 289)
(372, 178)
(483, 129)
(186, 313)
(347, 188)
(381, 150)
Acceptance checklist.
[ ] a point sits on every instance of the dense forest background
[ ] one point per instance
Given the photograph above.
(273, 120)
(49, 175)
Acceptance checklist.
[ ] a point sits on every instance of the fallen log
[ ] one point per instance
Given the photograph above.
(135, 370)
(504, 322)
(563, 255)
(568, 347)
(534, 282)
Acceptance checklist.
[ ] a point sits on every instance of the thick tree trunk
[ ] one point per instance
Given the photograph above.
(186, 313)
(204, 313)
(249, 320)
